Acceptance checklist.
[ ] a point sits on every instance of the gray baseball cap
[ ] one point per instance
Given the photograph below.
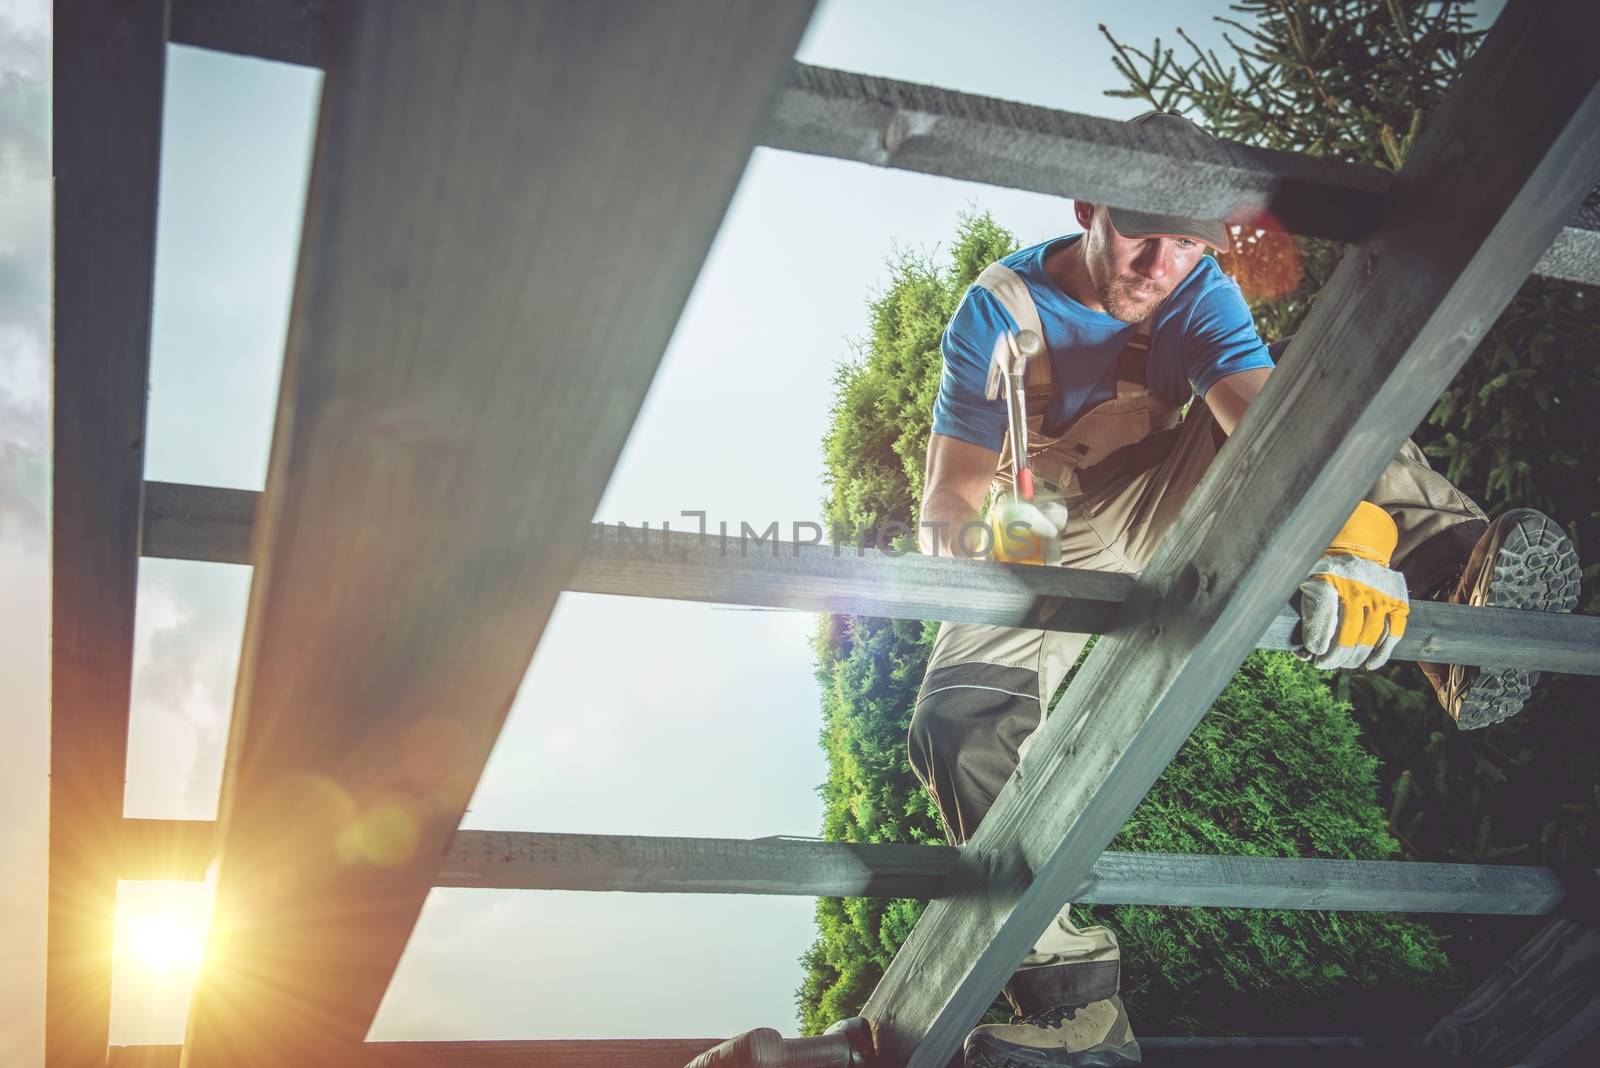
(1146, 224)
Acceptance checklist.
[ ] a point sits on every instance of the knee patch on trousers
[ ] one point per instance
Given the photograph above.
(969, 720)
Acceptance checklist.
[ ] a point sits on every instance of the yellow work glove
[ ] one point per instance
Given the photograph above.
(1353, 607)
(1027, 532)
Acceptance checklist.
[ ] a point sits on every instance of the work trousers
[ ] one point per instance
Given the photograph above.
(987, 687)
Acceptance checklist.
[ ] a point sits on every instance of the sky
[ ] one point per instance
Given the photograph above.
(636, 717)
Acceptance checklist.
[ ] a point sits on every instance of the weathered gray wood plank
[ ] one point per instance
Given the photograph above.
(204, 523)
(1508, 156)
(109, 67)
(547, 1053)
(1197, 1052)
(527, 860)
(941, 132)
(508, 207)
(212, 524)
(973, 138)
(290, 31)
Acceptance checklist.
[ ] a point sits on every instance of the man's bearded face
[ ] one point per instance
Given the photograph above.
(1131, 275)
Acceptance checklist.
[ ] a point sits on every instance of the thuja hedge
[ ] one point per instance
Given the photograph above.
(1275, 769)
(1356, 80)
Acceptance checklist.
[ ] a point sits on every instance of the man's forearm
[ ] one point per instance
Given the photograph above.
(944, 515)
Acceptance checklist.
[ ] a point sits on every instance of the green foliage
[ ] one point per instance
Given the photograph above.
(1356, 80)
(1275, 770)
(869, 669)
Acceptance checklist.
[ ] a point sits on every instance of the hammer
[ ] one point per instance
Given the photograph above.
(1008, 370)
(847, 1044)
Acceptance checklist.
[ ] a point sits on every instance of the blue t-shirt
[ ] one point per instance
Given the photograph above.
(1201, 332)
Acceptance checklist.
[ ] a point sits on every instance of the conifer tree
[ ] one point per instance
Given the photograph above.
(1275, 768)
(1356, 80)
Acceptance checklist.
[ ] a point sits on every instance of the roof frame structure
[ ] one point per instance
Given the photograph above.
(1509, 155)
(528, 860)
(106, 148)
(441, 325)
(365, 504)
(929, 130)
(211, 524)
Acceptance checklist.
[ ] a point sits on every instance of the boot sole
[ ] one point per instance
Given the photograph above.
(1535, 569)
(985, 1052)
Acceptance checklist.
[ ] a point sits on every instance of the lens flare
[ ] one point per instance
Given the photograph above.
(1263, 259)
(161, 928)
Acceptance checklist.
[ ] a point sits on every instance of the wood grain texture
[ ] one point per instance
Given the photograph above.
(508, 206)
(209, 524)
(529, 860)
(922, 128)
(637, 864)
(1338, 1051)
(1508, 156)
(206, 523)
(580, 1053)
(106, 126)
(290, 31)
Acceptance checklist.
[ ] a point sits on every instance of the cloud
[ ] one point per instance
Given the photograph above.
(25, 40)
(24, 270)
(185, 659)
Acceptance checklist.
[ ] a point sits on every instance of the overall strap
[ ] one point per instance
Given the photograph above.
(1012, 292)
(1131, 377)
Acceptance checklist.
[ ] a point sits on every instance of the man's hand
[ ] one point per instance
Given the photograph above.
(1353, 608)
(1027, 532)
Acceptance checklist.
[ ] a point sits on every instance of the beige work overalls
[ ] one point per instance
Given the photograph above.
(1125, 468)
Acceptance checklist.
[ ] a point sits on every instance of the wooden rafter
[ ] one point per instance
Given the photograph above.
(508, 207)
(527, 860)
(929, 130)
(397, 570)
(1509, 156)
(206, 523)
(109, 61)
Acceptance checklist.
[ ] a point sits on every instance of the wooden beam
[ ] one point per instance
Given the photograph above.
(109, 69)
(1508, 156)
(508, 207)
(550, 1053)
(526, 860)
(796, 866)
(529, 861)
(1575, 254)
(941, 132)
(922, 128)
(1190, 1051)
(289, 31)
(205, 523)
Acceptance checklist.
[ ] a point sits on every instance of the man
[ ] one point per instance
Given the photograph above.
(1137, 321)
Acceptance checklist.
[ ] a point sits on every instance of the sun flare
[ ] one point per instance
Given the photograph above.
(163, 933)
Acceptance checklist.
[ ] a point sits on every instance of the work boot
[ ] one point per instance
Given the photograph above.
(1096, 1035)
(1525, 561)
